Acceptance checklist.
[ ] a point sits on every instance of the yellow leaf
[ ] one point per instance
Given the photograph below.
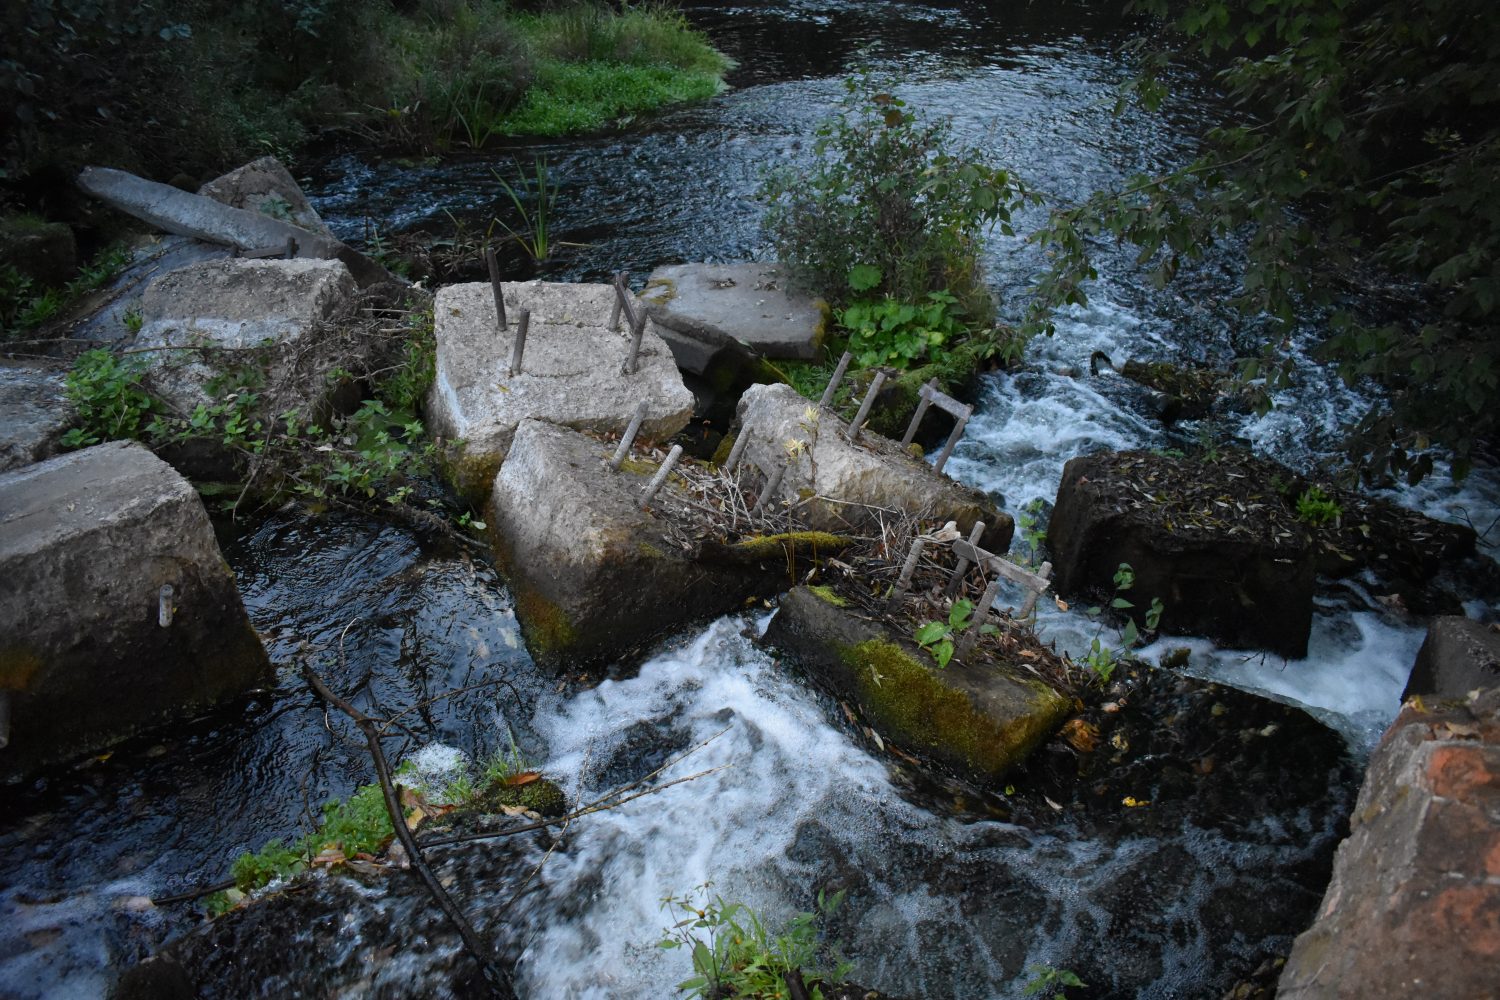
(1131, 802)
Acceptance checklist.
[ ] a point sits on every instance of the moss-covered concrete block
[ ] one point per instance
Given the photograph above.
(980, 718)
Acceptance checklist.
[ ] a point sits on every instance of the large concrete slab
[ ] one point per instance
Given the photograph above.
(34, 414)
(88, 541)
(844, 483)
(571, 374)
(705, 309)
(232, 304)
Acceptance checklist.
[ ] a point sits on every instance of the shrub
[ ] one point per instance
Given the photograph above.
(889, 197)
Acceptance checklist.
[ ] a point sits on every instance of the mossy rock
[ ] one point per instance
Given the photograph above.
(542, 796)
(979, 718)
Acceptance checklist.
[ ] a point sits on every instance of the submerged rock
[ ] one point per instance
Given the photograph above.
(1213, 540)
(842, 483)
(1414, 906)
(34, 414)
(571, 374)
(118, 612)
(980, 717)
(593, 573)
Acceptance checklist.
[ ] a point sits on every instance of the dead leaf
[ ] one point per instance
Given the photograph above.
(522, 778)
(1081, 735)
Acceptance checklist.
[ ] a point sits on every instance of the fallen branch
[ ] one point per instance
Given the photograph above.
(499, 984)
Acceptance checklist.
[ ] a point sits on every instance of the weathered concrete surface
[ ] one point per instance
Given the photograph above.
(87, 541)
(980, 718)
(34, 414)
(185, 214)
(705, 309)
(267, 187)
(1213, 541)
(101, 315)
(595, 576)
(839, 479)
(1459, 655)
(570, 373)
(231, 304)
(1414, 906)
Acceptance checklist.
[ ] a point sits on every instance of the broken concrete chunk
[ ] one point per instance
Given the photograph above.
(845, 483)
(34, 414)
(571, 373)
(980, 719)
(267, 187)
(230, 305)
(1459, 655)
(118, 612)
(593, 574)
(1212, 540)
(706, 309)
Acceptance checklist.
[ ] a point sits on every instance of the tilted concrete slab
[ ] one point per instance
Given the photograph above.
(92, 649)
(185, 214)
(571, 374)
(844, 483)
(266, 186)
(703, 310)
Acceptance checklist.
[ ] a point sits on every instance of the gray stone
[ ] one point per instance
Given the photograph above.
(594, 575)
(231, 304)
(34, 414)
(981, 717)
(87, 542)
(1414, 906)
(570, 374)
(844, 484)
(265, 186)
(1459, 655)
(704, 310)
(186, 214)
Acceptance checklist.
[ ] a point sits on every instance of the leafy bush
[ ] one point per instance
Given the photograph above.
(112, 404)
(888, 197)
(1317, 508)
(938, 637)
(895, 333)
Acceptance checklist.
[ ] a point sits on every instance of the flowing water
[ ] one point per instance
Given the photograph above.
(943, 902)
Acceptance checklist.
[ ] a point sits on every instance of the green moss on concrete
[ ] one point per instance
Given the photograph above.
(913, 703)
(790, 542)
(721, 453)
(471, 473)
(639, 467)
(542, 796)
(828, 594)
(550, 632)
(649, 551)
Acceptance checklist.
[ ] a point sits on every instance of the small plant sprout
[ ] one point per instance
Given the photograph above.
(1102, 659)
(938, 637)
(1049, 983)
(1317, 508)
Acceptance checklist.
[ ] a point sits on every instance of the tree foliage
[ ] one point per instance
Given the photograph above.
(1362, 157)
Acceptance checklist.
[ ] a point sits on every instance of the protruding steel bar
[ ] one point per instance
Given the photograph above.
(864, 407)
(495, 286)
(738, 451)
(637, 331)
(518, 346)
(957, 579)
(291, 248)
(621, 281)
(164, 608)
(1031, 597)
(661, 474)
(903, 582)
(772, 485)
(916, 418)
(958, 432)
(833, 383)
(628, 438)
(981, 612)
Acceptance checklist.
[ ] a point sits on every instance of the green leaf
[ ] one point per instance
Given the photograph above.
(944, 653)
(931, 633)
(958, 615)
(863, 277)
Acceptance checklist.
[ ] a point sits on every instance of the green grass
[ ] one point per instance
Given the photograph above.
(583, 97)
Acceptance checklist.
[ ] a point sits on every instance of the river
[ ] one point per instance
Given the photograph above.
(944, 902)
